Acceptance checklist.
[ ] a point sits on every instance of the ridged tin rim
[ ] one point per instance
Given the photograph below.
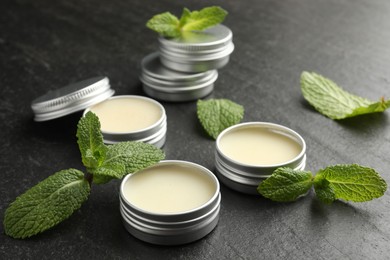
(176, 216)
(172, 96)
(152, 83)
(157, 139)
(211, 76)
(151, 63)
(152, 128)
(242, 183)
(195, 57)
(172, 235)
(209, 39)
(71, 98)
(275, 127)
(173, 223)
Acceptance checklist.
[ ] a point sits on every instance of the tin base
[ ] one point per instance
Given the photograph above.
(184, 236)
(193, 66)
(178, 96)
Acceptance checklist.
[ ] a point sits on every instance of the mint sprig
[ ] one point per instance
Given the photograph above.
(215, 115)
(46, 204)
(286, 184)
(334, 102)
(349, 182)
(57, 197)
(168, 25)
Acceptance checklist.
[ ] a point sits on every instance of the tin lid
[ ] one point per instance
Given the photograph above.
(210, 40)
(71, 98)
(152, 68)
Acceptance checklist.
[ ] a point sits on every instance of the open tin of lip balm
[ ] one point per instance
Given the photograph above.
(198, 51)
(248, 153)
(131, 118)
(170, 203)
(165, 84)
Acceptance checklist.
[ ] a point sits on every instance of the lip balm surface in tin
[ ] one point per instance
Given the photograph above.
(198, 51)
(170, 203)
(131, 118)
(248, 153)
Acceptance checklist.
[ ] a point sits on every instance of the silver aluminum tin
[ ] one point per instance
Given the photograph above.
(168, 85)
(72, 98)
(245, 177)
(198, 51)
(172, 228)
(154, 134)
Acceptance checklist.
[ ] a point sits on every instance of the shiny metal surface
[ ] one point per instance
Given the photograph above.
(245, 177)
(154, 134)
(168, 85)
(197, 51)
(172, 228)
(71, 98)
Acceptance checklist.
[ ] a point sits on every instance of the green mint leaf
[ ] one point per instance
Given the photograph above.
(90, 141)
(184, 16)
(126, 157)
(324, 191)
(286, 184)
(216, 115)
(203, 19)
(107, 172)
(332, 101)
(352, 182)
(166, 24)
(46, 204)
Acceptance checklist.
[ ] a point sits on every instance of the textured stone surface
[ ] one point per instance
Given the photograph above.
(47, 44)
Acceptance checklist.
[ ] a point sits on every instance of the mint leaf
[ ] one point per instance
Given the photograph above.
(286, 184)
(166, 24)
(352, 182)
(46, 204)
(333, 102)
(203, 19)
(216, 115)
(324, 191)
(90, 141)
(126, 157)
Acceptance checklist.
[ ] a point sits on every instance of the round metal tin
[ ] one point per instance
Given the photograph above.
(154, 134)
(198, 51)
(165, 84)
(172, 228)
(72, 98)
(245, 177)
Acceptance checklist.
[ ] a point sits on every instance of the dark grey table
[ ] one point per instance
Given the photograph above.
(47, 44)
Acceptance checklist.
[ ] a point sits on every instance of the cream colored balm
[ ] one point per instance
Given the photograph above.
(127, 114)
(169, 188)
(259, 146)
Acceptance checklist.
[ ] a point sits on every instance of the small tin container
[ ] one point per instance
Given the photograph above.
(86, 94)
(168, 214)
(131, 110)
(165, 84)
(198, 51)
(244, 175)
(72, 98)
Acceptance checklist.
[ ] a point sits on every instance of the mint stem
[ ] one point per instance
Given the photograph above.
(88, 177)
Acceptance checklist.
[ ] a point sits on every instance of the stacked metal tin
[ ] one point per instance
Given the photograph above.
(185, 68)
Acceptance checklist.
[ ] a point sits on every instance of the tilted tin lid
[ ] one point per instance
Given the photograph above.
(210, 40)
(71, 98)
